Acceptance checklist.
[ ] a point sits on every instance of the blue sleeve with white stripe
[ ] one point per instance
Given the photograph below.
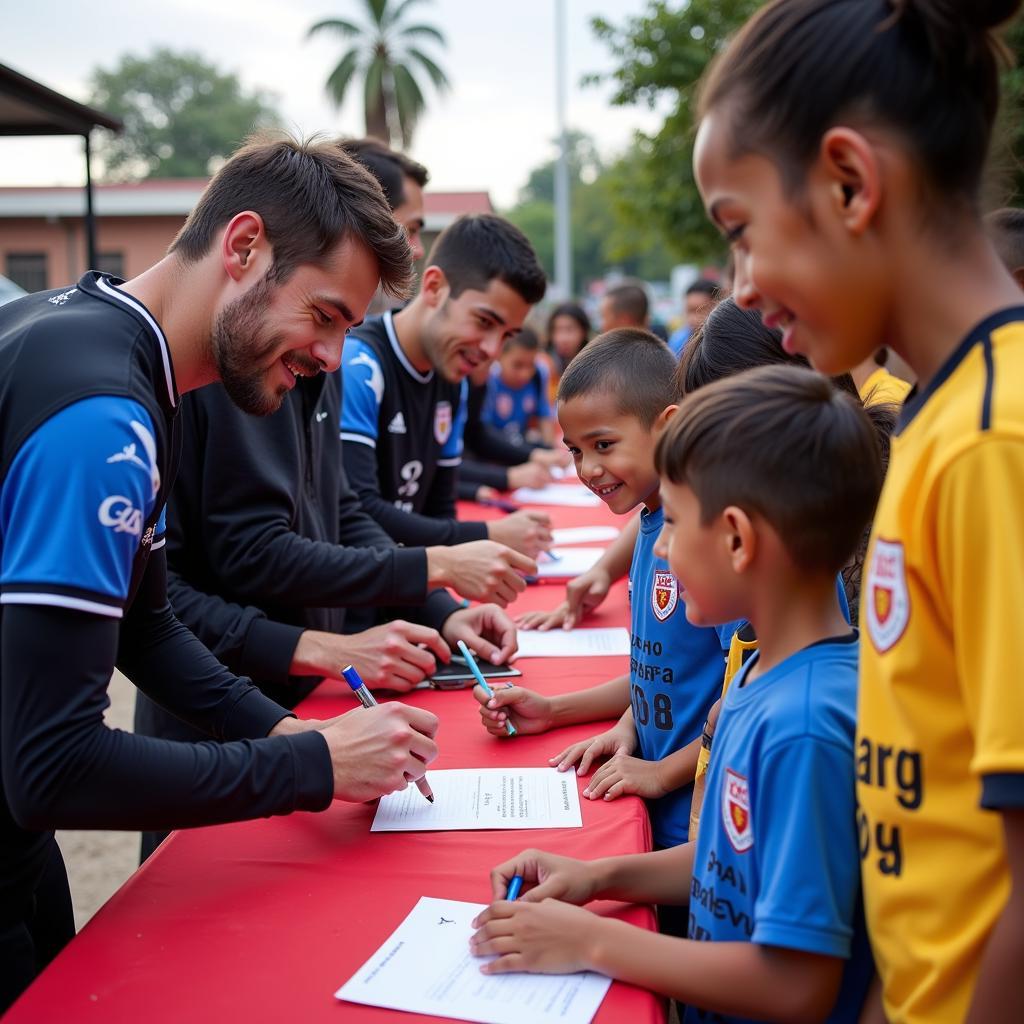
(73, 506)
(362, 391)
(451, 453)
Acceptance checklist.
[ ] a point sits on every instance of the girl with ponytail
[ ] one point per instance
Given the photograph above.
(841, 150)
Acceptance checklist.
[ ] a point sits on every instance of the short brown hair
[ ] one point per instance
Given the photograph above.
(311, 197)
(632, 365)
(476, 249)
(783, 443)
(630, 299)
(389, 167)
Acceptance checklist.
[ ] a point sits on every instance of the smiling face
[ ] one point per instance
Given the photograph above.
(613, 451)
(697, 556)
(265, 338)
(462, 333)
(801, 266)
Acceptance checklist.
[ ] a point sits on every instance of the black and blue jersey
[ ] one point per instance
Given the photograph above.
(88, 451)
(402, 434)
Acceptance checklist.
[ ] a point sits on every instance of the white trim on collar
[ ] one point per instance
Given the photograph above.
(139, 308)
(402, 358)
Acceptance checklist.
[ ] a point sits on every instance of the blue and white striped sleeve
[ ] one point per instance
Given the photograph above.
(74, 505)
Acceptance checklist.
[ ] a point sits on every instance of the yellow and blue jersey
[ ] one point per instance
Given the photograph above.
(940, 740)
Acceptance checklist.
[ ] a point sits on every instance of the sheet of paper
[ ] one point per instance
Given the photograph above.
(575, 495)
(566, 563)
(584, 534)
(563, 473)
(470, 798)
(425, 967)
(577, 643)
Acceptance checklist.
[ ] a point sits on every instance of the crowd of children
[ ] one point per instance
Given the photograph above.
(859, 852)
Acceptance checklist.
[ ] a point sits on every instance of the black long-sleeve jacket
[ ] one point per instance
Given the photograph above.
(265, 538)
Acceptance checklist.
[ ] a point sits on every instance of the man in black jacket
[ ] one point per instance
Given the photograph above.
(279, 258)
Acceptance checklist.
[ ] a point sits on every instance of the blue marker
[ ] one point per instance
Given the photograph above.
(367, 699)
(478, 676)
(514, 888)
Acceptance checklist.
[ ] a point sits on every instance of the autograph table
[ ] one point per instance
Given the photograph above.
(264, 920)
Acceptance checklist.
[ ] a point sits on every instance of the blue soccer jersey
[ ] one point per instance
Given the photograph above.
(514, 410)
(777, 857)
(675, 671)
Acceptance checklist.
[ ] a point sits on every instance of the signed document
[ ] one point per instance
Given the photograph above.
(472, 798)
(426, 967)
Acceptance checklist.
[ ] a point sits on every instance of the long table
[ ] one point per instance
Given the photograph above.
(264, 920)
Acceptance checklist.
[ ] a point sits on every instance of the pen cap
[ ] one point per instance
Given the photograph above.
(351, 677)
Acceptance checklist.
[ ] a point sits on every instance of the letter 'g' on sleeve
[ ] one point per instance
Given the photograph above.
(74, 504)
(362, 391)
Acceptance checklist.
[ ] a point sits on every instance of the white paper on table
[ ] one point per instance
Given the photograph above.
(584, 534)
(563, 472)
(576, 643)
(425, 967)
(567, 563)
(570, 495)
(471, 798)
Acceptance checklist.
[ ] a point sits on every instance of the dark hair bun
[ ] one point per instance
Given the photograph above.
(947, 18)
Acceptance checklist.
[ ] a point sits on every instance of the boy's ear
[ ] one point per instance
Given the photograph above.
(434, 286)
(853, 171)
(664, 418)
(740, 538)
(244, 247)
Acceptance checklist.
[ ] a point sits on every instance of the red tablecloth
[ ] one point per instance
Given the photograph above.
(264, 920)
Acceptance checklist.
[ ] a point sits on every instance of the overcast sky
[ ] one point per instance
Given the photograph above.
(495, 125)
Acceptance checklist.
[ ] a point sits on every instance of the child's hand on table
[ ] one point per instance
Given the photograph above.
(619, 739)
(622, 775)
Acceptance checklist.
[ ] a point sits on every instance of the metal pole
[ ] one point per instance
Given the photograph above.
(563, 222)
(90, 220)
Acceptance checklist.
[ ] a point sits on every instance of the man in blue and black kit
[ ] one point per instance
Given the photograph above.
(279, 258)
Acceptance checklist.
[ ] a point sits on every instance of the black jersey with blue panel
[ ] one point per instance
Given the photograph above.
(88, 451)
(402, 434)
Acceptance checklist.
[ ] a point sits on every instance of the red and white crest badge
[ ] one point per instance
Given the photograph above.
(442, 421)
(887, 610)
(664, 594)
(736, 811)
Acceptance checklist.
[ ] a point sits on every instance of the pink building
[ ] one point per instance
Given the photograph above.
(42, 241)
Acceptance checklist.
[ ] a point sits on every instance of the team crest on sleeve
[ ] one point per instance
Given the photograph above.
(442, 422)
(888, 601)
(664, 594)
(503, 405)
(736, 811)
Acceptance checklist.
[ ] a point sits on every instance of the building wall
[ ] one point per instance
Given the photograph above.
(138, 241)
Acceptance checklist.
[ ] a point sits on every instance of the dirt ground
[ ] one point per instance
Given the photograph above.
(98, 863)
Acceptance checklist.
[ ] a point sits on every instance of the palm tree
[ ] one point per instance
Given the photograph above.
(384, 52)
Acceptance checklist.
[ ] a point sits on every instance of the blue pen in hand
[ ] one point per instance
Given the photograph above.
(515, 886)
(478, 676)
(367, 699)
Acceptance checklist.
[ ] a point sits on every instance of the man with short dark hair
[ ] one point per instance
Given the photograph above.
(279, 258)
(404, 386)
(625, 305)
(700, 298)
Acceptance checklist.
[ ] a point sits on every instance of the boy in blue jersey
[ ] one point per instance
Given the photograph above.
(517, 391)
(613, 402)
(768, 478)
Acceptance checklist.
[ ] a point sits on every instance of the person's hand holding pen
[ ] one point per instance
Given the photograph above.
(377, 750)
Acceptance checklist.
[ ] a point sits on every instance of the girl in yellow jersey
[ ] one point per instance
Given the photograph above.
(840, 150)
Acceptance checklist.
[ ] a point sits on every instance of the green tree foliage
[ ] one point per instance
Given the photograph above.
(661, 57)
(385, 51)
(601, 238)
(182, 116)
